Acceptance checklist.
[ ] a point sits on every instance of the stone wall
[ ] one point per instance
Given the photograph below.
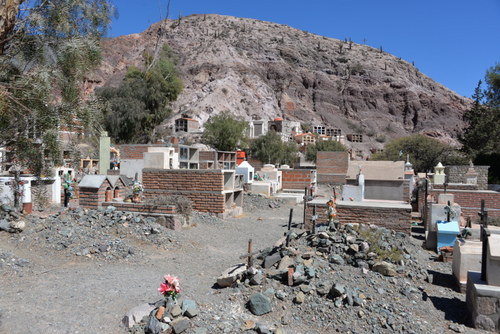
(332, 167)
(483, 303)
(456, 174)
(142, 207)
(470, 201)
(296, 178)
(397, 218)
(203, 187)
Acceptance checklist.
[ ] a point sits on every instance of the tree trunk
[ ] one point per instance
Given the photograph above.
(8, 15)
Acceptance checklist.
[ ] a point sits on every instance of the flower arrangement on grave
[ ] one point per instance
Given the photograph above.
(137, 188)
(171, 287)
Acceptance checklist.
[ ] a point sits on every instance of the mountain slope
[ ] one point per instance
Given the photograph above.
(267, 70)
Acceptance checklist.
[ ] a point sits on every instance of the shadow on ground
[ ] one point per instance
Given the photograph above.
(453, 308)
(444, 280)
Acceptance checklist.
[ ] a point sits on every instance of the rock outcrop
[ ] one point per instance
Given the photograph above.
(267, 70)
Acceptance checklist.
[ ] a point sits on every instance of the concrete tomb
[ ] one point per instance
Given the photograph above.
(247, 171)
(466, 257)
(493, 260)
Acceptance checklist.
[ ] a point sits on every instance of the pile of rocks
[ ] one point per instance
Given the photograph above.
(259, 201)
(10, 219)
(104, 233)
(162, 316)
(10, 262)
(361, 277)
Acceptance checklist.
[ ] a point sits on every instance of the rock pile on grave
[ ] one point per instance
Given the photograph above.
(353, 274)
(10, 220)
(166, 315)
(162, 317)
(103, 234)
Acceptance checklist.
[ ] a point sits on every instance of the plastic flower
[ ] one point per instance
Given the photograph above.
(171, 286)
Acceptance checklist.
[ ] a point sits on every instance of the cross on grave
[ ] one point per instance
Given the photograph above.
(249, 255)
(289, 228)
(485, 233)
(314, 217)
(306, 198)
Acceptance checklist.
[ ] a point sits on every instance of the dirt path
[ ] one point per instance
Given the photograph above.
(57, 294)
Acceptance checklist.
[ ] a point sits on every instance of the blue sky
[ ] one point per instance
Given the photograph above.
(453, 42)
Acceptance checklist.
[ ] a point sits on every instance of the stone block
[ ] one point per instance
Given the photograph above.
(136, 314)
(466, 257)
(231, 275)
(493, 260)
(259, 304)
(486, 305)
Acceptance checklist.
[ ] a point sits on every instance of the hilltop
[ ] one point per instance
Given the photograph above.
(266, 70)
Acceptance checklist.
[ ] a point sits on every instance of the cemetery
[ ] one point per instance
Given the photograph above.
(345, 214)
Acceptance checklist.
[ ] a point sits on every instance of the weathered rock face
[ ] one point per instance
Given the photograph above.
(263, 69)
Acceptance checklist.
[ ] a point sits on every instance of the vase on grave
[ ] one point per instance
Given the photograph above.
(136, 198)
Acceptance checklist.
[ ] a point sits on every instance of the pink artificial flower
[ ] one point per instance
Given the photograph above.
(164, 288)
(171, 286)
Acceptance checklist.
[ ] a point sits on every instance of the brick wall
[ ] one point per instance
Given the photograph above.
(456, 174)
(459, 186)
(332, 167)
(470, 201)
(208, 155)
(135, 151)
(203, 187)
(398, 219)
(296, 178)
(92, 197)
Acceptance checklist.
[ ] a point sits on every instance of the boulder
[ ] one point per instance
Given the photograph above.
(180, 325)
(136, 314)
(259, 304)
(385, 268)
(231, 275)
(300, 297)
(285, 263)
(272, 259)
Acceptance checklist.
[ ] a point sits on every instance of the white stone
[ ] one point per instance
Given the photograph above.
(466, 257)
(231, 275)
(493, 260)
(136, 314)
(18, 225)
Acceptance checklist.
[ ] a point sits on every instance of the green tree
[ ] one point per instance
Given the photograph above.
(46, 48)
(272, 150)
(425, 152)
(323, 145)
(224, 132)
(481, 136)
(143, 99)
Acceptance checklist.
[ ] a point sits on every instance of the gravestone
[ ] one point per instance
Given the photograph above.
(104, 154)
(439, 175)
(493, 260)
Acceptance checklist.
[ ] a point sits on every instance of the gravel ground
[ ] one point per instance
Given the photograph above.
(46, 288)
(63, 293)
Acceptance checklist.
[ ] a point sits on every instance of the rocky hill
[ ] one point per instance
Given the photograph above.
(267, 70)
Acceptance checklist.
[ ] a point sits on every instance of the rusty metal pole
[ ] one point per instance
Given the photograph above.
(249, 259)
(289, 228)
